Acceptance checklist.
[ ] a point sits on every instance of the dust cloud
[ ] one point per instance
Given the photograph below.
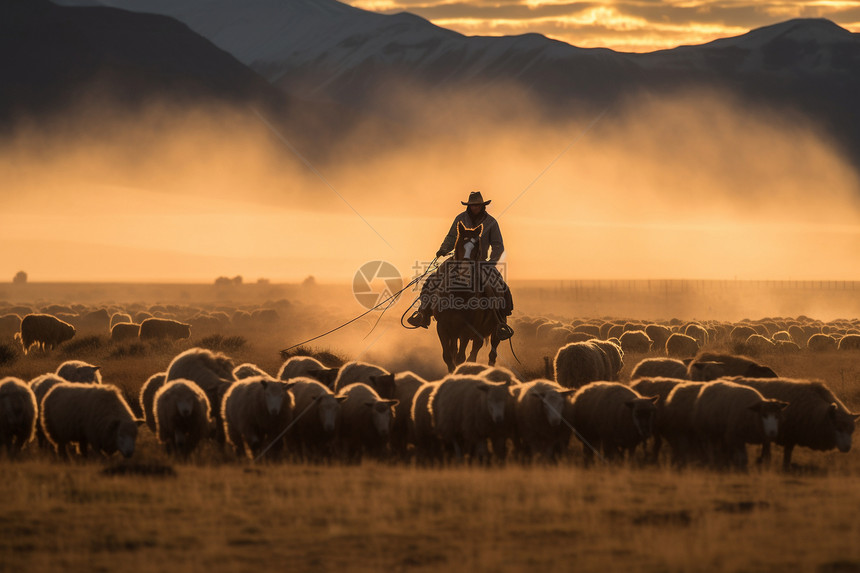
(695, 185)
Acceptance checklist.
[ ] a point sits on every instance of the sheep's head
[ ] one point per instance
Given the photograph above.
(329, 411)
(843, 425)
(382, 415)
(497, 399)
(383, 384)
(643, 411)
(125, 434)
(771, 416)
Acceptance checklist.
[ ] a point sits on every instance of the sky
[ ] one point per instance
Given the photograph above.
(626, 25)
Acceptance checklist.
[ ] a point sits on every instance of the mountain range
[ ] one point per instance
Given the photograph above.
(323, 52)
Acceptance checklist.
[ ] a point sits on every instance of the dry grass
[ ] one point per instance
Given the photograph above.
(216, 513)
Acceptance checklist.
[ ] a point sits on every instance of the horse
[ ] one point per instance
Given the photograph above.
(464, 313)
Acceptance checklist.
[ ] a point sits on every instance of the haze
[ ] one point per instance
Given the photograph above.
(694, 187)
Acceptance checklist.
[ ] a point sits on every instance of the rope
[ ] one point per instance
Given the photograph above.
(368, 311)
(287, 429)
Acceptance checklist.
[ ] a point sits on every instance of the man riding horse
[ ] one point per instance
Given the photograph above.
(490, 279)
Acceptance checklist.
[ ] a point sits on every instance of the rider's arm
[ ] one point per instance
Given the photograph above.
(451, 238)
(497, 246)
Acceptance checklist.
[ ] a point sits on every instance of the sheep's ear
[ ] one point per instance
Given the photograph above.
(139, 422)
(654, 399)
(96, 368)
(856, 417)
(263, 382)
(630, 403)
(341, 399)
(390, 403)
(288, 385)
(370, 404)
(756, 407)
(781, 405)
(831, 411)
(483, 387)
(569, 392)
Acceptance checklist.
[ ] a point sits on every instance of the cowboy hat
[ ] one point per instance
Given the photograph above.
(475, 198)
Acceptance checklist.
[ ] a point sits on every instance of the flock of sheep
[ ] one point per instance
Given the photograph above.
(707, 410)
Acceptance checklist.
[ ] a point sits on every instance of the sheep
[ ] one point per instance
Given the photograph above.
(681, 346)
(213, 372)
(815, 418)
(758, 344)
(248, 370)
(663, 367)
(163, 328)
(821, 343)
(579, 363)
(675, 422)
(45, 331)
(615, 355)
(656, 386)
(428, 447)
(307, 366)
(366, 422)
(697, 332)
(376, 377)
(406, 384)
(94, 322)
(781, 335)
(611, 417)
(539, 415)
(18, 410)
(146, 398)
(710, 366)
(470, 368)
(727, 416)
(256, 411)
(119, 318)
(317, 417)
(740, 333)
(182, 416)
(10, 324)
(40, 386)
(849, 342)
(124, 331)
(798, 335)
(635, 341)
(88, 415)
(658, 334)
(79, 371)
(465, 411)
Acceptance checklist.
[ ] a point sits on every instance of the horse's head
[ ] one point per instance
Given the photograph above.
(468, 244)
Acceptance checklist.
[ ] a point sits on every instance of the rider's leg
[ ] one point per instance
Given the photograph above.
(421, 317)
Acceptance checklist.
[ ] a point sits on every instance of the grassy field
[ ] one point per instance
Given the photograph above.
(217, 513)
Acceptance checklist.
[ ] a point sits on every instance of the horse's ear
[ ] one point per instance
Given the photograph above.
(460, 227)
(480, 229)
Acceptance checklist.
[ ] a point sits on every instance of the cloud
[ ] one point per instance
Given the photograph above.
(636, 26)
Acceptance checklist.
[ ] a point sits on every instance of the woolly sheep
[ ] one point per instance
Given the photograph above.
(579, 363)
(45, 331)
(40, 386)
(727, 416)
(465, 410)
(18, 411)
(815, 418)
(428, 447)
(124, 331)
(675, 422)
(376, 377)
(79, 371)
(681, 346)
(710, 366)
(366, 421)
(406, 384)
(248, 370)
(658, 334)
(781, 335)
(849, 342)
(182, 416)
(119, 318)
(256, 411)
(146, 398)
(661, 387)
(662, 367)
(213, 372)
(470, 368)
(94, 322)
(611, 417)
(163, 328)
(697, 332)
(821, 343)
(317, 417)
(741, 332)
(539, 414)
(758, 344)
(88, 415)
(635, 341)
(10, 324)
(297, 366)
(615, 355)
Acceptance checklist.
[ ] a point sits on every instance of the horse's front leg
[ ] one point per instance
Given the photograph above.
(463, 341)
(477, 344)
(494, 344)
